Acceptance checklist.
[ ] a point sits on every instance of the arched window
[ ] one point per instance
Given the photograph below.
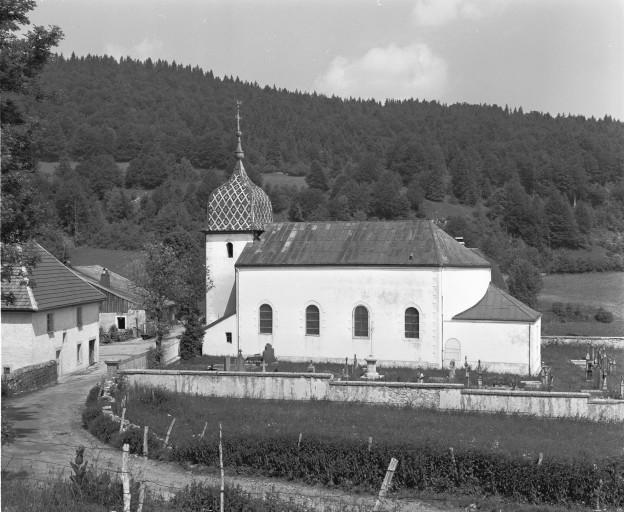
(412, 323)
(230, 249)
(360, 322)
(313, 317)
(266, 319)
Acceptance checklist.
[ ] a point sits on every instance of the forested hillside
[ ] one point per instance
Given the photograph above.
(541, 189)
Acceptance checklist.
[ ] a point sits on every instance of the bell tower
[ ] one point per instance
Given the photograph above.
(238, 210)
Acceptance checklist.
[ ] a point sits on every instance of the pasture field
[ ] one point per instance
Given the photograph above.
(595, 289)
(278, 178)
(117, 260)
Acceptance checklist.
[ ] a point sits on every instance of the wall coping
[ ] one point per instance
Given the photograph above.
(605, 401)
(511, 392)
(411, 385)
(217, 373)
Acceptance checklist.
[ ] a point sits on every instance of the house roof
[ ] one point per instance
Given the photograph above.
(409, 243)
(50, 285)
(119, 285)
(497, 305)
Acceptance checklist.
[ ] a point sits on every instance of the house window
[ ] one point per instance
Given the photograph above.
(412, 323)
(50, 322)
(230, 249)
(79, 353)
(228, 337)
(360, 322)
(266, 319)
(312, 321)
(6, 370)
(79, 317)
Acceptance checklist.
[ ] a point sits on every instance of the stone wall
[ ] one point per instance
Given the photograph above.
(605, 341)
(30, 378)
(319, 386)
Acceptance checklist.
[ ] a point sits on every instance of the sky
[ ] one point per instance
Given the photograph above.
(556, 56)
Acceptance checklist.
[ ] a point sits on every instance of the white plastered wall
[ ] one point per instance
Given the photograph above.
(25, 340)
(336, 291)
(220, 268)
(215, 339)
(501, 346)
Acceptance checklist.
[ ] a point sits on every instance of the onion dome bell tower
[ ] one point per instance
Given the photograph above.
(238, 211)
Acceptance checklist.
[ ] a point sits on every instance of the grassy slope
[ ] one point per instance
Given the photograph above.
(595, 289)
(117, 260)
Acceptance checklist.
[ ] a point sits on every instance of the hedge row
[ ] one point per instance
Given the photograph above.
(351, 465)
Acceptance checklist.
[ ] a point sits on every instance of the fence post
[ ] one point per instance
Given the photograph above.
(145, 444)
(299, 442)
(386, 483)
(123, 418)
(169, 432)
(125, 477)
(370, 443)
(222, 492)
(141, 497)
(203, 431)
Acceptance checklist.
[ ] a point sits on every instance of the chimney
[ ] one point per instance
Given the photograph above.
(460, 240)
(105, 278)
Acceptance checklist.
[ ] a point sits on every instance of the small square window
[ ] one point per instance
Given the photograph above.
(228, 337)
(50, 322)
(79, 353)
(6, 370)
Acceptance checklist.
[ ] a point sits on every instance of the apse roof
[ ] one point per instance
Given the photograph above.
(50, 285)
(409, 243)
(497, 305)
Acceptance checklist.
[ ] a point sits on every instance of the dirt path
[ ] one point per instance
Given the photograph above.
(48, 429)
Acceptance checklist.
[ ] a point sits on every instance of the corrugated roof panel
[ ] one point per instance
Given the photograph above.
(497, 305)
(397, 243)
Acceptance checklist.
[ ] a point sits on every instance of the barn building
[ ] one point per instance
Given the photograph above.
(403, 291)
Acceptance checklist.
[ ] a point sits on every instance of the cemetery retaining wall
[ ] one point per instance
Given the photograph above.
(598, 341)
(321, 386)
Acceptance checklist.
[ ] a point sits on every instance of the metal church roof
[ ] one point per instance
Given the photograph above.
(50, 285)
(409, 243)
(497, 305)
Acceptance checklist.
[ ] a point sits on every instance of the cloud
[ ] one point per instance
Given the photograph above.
(392, 72)
(434, 13)
(142, 50)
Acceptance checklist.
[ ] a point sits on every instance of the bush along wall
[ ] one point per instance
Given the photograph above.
(353, 466)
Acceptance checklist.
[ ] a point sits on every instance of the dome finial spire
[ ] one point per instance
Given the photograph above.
(239, 148)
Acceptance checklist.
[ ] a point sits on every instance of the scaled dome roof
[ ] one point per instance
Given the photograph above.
(239, 204)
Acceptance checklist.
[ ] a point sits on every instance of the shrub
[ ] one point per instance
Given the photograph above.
(604, 316)
(103, 427)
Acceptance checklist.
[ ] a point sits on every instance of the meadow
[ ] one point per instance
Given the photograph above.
(594, 290)
(526, 459)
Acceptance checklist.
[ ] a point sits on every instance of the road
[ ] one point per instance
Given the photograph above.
(48, 429)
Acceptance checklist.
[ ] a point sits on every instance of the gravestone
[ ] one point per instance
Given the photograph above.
(268, 355)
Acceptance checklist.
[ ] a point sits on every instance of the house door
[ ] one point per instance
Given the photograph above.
(121, 322)
(91, 352)
(59, 366)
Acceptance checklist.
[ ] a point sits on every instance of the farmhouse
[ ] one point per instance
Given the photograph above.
(122, 305)
(52, 315)
(403, 291)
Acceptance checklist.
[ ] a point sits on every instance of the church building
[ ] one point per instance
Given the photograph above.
(403, 291)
